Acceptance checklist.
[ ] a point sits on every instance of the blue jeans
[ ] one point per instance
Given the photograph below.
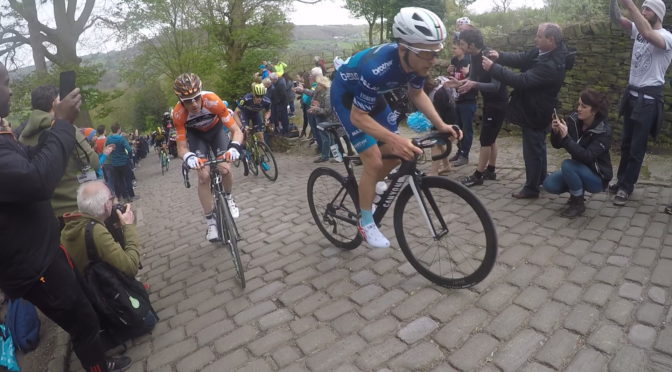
(465, 117)
(634, 141)
(313, 128)
(325, 146)
(574, 177)
(534, 155)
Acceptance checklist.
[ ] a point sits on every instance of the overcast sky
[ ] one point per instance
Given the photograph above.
(331, 12)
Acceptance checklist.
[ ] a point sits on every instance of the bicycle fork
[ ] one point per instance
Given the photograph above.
(413, 183)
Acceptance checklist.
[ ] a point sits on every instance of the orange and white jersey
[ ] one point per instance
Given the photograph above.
(211, 113)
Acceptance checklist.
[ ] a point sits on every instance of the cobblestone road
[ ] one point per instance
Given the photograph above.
(589, 294)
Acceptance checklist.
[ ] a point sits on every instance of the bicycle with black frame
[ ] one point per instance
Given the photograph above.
(258, 155)
(226, 226)
(442, 228)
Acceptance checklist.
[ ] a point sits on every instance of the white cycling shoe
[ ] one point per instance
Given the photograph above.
(212, 234)
(373, 236)
(235, 212)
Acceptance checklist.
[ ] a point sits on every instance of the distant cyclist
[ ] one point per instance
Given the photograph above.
(198, 117)
(160, 139)
(250, 107)
(357, 98)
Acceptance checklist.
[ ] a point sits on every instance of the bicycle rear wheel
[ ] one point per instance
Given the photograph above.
(229, 236)
(333, 208)
(463, 250)
(267, 162)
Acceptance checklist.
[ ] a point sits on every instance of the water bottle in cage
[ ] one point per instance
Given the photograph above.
(335, 153)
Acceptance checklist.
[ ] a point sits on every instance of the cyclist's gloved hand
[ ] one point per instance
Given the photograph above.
(191, 160)
(233, 153)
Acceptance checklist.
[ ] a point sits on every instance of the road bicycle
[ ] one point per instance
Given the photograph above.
(165, 161)
(442, 228)
(226, 226)
(257, 155)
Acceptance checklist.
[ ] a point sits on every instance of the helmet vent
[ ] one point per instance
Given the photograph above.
(424, 30)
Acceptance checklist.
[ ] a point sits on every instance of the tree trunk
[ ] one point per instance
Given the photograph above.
(382, 26)
(371, 26)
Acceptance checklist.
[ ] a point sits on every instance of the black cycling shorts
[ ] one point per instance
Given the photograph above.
(202, 143)
(493, 118)
(253, 117)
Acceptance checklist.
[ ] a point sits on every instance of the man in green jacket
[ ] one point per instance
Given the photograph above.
(83, 162)
(95, 203)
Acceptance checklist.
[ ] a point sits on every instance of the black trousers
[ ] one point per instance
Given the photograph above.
(59, 296)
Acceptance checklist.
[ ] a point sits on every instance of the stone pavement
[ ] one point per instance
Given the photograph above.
(589, 294)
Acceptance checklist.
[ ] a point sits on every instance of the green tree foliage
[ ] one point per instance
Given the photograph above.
(367, 9)
(87, 77)
(577, 10)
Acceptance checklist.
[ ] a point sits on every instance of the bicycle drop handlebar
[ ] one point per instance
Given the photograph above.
(186, 169)
(430, 140)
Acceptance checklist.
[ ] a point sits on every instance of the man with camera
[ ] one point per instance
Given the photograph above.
(95, 202)
(116, 244)
(31, 264)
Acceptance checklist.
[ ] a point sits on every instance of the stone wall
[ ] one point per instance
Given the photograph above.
(602, 62)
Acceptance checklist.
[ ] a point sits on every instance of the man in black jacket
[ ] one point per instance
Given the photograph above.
(31, 264)
(534, 97)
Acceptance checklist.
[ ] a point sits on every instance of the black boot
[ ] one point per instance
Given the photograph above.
(576, 207)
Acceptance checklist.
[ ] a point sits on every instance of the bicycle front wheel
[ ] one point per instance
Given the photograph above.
(229, 236)
(333, 208)
(252, 158)
(453, 244)
(267, 162)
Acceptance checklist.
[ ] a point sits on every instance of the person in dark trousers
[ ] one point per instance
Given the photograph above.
(465, 103)
(534, 97)
(279, 104)
(495, 98)
(32, 265)
(586, 136)
(120, 169)
(642, 102)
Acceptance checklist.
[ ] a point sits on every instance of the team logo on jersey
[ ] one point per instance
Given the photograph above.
(367, 84)
(382, 68)
(349, 75)
(392, 117)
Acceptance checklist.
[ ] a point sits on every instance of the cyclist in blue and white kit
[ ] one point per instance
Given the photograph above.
(356, 96)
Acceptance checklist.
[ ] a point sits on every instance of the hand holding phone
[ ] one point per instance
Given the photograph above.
(66, 83)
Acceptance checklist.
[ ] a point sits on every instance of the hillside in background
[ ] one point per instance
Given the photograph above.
(308, 41)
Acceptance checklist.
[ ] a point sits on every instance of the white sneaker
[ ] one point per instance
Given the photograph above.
(235, 212)
(373, 236)
(212, 234)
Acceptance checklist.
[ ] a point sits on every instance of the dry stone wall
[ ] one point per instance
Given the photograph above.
(602, 62)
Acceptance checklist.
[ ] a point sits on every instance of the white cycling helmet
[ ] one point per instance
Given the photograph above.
(418, 25)
(463, 21)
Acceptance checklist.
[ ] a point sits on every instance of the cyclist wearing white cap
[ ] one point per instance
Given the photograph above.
(357, 97)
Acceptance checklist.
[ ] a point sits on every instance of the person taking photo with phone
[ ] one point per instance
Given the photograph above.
(586, 136)
(32, 265)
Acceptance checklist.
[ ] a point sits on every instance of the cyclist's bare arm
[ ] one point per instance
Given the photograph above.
(236, 132)
(398, 145)
(236, 117)
(182, 148)
(424, 104)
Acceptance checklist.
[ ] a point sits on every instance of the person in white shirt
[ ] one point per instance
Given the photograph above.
(642, 103)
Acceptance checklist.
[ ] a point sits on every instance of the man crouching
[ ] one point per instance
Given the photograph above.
(96, 203)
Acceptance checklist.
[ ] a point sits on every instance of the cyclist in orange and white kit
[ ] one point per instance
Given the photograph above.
(198, 118)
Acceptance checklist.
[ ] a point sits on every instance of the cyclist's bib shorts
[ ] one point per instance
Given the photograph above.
(381, 113)
(214, 139)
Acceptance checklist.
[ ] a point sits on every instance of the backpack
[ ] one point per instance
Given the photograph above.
(121, 302)
(23, 324)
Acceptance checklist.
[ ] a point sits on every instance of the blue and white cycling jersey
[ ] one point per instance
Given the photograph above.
(361, 81)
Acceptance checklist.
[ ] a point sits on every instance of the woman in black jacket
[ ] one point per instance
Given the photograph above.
(586, 136)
